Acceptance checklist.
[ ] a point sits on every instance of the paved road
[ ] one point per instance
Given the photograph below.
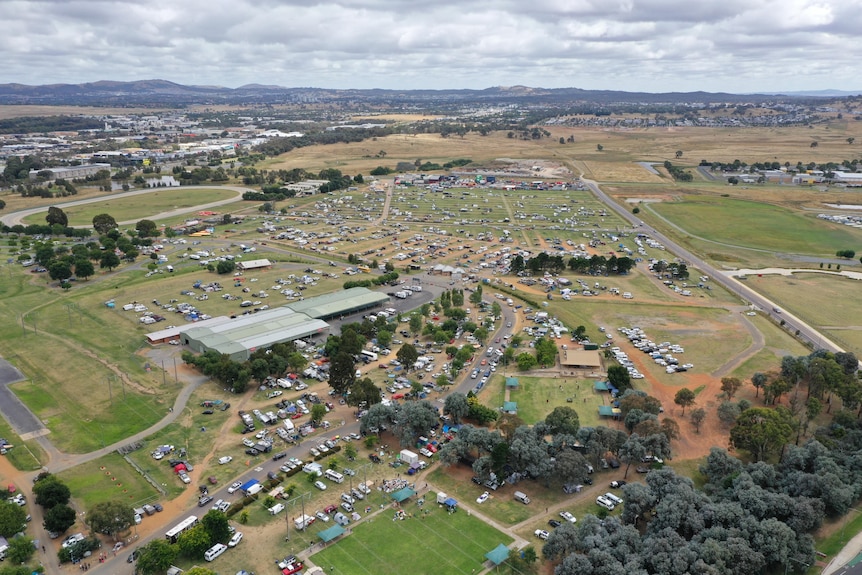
(17, 217)
(13, 410)
(765, 305)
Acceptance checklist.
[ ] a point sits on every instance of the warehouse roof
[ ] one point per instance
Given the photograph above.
(254, 331)
(338, 303)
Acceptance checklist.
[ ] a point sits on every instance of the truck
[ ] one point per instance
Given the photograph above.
(303, 521)
(409, 457)
(522, 497)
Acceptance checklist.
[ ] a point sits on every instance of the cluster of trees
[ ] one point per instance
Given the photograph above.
(593, 265)
(200, 175)
(222, 368)
(44, 230)
(18, 169)
(407, 420)
(53, 496)
(849, 254)
(52, 189)
(157, 556)
(272, 194)
(522, 450)
(386, 278)
(677, 173)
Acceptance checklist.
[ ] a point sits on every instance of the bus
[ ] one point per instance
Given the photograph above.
(181, 528)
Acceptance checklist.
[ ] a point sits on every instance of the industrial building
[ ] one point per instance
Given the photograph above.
(240, 337)
(340, 303)
(69, 172)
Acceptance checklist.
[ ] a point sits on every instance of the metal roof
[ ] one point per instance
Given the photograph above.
(337, 303)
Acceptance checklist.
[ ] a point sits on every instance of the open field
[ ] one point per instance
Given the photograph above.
(25, 455)
(756, 225)
(538, 396)
(384, 545)
(105, 479)
(18, 111)
(778, 343)
(838, 307)
(123, 209)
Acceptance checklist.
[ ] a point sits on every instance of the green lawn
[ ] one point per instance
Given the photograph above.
(756, 225)
(25, 455)
(109, 478)
(538, 396)
(138, 207)
(438, 543)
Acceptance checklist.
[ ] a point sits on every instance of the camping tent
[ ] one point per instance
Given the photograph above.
(450, 503)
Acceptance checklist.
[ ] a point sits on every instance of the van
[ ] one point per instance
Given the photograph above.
(333, 476)
(613, 498)
(522, 497)
(215, 551)
(605, 502)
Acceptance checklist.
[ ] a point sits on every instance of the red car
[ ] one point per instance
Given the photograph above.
(296, 416)
(329, 510)
(292, 568)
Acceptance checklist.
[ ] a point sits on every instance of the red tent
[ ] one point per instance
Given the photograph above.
(179, 467)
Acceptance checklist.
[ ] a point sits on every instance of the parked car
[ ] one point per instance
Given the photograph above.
(568, 516)
(541, 534)
(483, 498)
(554, 523)
(225, 459)
(234, 541)
(204, 500)
(320, 485)
(234, 487)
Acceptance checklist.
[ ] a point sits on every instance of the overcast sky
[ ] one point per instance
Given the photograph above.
(633, 45)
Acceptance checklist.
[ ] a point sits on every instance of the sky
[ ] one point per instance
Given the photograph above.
(739, 46)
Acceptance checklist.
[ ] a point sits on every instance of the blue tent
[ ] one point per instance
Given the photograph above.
(248, 484)
(450, 503)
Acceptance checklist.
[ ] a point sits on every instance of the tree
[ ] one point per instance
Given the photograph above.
(147, 228)
(110, 517)
(84, 269)
(56, 216)
(758, 380)
(20, 550)
(670, 428)
(12, 517)
(350, 451)
(415, 323)
(318, 412)
(194, 542)
(156, 557)
(730, 385)
(378, 415)
(850, 140)
(342, 373)
(216, 524)
(679, 154)
(599, 147)
(563, 420)
(225, 267)
(697, 417)
(414, 418)
(59, 518)
(762, 431)
(570, 467)
(407, 355)
(51, 491)
(632, 451)
(813, 144)
(199, 571)
(526, 361)
(59, 270)
(684, 398)
(456, 406)
(104, 223)
(728, 411)
(109, 260)
(364, 393)
(618, 376)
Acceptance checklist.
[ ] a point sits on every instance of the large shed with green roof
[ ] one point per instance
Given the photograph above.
(340, 303)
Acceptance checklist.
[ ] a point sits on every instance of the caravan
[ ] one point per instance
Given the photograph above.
(215, 551)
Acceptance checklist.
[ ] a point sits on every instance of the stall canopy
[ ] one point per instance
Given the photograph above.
(403, 494)
(328, 535)
(450, 502)
(498, 555)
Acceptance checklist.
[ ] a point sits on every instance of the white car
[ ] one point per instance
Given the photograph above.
(234, 541)
(541, 534)
(320, 485)
(568, 516)
(322, 516)
(483, 498)
(225, 459)
(274, 394)
(234, 487)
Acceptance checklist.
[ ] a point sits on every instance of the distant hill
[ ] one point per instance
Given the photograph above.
(166, 93)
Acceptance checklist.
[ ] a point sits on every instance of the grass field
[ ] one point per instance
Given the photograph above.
(538, 396)
(108, 478)
(756, 225)
(438, 543)
(25, 455)
(138, 207)
(838, 307)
